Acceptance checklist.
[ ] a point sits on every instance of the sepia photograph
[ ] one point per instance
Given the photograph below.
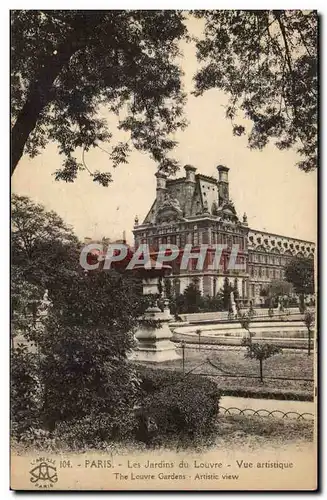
(164, 250)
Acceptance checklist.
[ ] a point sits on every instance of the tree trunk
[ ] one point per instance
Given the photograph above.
(38, 98)
(41, 90)
(261, 371)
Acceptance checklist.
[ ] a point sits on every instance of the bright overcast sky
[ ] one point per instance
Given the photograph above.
(267, 185)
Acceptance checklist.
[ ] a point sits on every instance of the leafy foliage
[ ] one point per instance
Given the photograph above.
(278, 288)
(25, 298)
(300, 272)
(25, 391)
(259, 351)
(43, 246)
(95, 430)
(86, 381)
(70, 66)
(80, 361)
(44, 250)
(266, 61)
(180, 405)
(84, 346)
(192, 298)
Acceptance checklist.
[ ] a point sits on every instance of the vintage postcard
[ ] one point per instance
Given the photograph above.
(164, 250)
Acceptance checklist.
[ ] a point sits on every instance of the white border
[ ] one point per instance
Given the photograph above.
(4, 184)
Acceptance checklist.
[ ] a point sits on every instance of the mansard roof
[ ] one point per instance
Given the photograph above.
(262, 241)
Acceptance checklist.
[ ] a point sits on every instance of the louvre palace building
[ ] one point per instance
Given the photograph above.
(196, 209)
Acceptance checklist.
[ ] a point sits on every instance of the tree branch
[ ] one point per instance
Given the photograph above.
(40, 92)
(85, 166)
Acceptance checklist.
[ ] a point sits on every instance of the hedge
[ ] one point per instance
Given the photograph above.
(176, 404)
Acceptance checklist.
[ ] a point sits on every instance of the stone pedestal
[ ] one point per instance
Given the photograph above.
(153, 343)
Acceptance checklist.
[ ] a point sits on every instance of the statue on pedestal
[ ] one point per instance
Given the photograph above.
(233, 304)
(45, 304)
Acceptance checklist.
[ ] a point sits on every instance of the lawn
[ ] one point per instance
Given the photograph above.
(288, 364)
(266, 432)
(233, 372)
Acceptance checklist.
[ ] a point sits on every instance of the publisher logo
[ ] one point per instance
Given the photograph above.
(43, 473)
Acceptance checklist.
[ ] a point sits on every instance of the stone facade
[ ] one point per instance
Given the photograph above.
(196, 209)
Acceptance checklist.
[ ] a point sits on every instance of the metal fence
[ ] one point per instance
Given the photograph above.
(199, 357)
(262, 412)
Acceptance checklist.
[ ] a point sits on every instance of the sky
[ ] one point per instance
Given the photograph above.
(276, 196)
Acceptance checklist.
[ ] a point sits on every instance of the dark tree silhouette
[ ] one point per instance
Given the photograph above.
(68, 65)
(266, 61)
(300, 272)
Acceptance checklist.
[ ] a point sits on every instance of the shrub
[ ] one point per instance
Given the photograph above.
(185, 405)
(83, 378)
(83, 347)
(260, 352)
(95, 430)
(25, 391)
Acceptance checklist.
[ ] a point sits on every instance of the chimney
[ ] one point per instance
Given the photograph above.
(189, 187)
(190, 173)
(161, 186)
(223, 184)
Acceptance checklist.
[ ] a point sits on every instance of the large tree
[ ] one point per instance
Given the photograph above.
(266, 61)
(300, 272)
(44, 248)
(45, 255)
(68, 66)
(82, 342)
(278, 288)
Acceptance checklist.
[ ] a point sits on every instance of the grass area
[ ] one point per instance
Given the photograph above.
(231, 432)
(287, 364)
(268, 432)
(233, 372)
